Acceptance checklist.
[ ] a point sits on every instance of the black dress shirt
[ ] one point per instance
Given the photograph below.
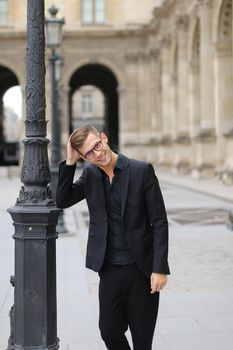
(117, 249)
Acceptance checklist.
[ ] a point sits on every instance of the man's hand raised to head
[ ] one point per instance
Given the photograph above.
(72, 155)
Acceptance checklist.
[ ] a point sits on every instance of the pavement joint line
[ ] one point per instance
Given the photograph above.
(194, 189)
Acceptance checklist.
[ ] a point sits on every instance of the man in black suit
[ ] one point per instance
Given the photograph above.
(128, 235)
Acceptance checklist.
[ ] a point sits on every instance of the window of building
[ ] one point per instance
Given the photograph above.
(93, 11)
(87, 104)
(3, 12)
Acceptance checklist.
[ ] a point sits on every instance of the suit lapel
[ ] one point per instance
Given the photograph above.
(124, 185)
(100, 188)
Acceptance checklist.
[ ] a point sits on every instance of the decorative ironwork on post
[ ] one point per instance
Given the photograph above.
(35, 214)
(53, 41)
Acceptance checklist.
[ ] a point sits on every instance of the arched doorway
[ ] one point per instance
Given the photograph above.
(8, 146)
(102, 78)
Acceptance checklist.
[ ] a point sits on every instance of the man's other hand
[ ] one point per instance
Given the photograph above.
(157, 282)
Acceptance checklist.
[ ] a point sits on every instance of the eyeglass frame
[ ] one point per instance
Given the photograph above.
(100, 142)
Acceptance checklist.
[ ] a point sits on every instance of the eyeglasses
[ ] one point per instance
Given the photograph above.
(97, 147)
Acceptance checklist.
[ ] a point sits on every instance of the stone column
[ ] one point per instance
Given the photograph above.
(183, 113)
(195, 112)
(174, 94)
(181, 159)
(122, 115)
(206, 66)
(129, 120)
(205, 137)
(154, 126)
(224, 94)
(165, 144)
(142, 98)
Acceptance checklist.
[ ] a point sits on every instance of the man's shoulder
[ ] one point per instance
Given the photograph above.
(136, 163)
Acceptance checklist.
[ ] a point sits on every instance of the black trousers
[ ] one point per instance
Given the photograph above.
(125, 301)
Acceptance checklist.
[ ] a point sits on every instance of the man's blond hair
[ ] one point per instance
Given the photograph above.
(79, 136)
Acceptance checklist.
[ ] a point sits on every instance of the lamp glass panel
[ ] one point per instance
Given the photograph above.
(53, 34)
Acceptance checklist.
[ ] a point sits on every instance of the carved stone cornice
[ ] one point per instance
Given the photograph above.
(154, 54)
(166, 41)
(134, 57)
(205, 3)
(131, 57)
(143, 56)
(206, 136)
(182, 22)
(229, 133)
(182, 138)
(166, 140)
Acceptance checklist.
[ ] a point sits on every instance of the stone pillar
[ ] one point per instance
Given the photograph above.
(129, 120)
(154, 127)
(224, 94)
(174, 93)
(181, 158)
(195, 113)
(122, 115)
(206, 66)
(142, 98)
(165, 144)
(205, 139)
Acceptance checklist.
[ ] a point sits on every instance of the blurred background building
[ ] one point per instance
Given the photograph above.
(156, 76)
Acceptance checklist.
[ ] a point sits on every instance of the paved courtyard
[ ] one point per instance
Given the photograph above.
(196, 309)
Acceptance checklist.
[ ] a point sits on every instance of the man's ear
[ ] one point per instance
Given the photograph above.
(104, 137)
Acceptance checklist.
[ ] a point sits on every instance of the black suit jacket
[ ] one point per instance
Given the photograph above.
(143, 213)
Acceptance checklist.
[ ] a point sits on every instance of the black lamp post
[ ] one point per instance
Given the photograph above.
(53, 27)
(34, 314)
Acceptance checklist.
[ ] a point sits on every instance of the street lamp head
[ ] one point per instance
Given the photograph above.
(53, 10)
(53, 28)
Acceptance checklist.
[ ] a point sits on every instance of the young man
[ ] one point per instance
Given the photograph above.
(128, 235)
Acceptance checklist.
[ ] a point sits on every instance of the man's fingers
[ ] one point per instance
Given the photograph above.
(157, 282)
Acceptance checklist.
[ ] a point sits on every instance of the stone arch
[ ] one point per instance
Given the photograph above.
(104, 79)
(8, 152)
(20, 75)
(120, 76)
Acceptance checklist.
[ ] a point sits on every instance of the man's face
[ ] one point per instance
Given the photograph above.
(98, 147)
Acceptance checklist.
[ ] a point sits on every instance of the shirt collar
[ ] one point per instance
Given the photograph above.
(119, 162)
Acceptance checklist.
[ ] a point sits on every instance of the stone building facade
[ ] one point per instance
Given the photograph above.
(164, 67)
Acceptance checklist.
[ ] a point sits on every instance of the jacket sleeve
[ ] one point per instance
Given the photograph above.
(69, 193)
(158, 221)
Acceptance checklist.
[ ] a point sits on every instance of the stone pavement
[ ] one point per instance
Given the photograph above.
(196, 309)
